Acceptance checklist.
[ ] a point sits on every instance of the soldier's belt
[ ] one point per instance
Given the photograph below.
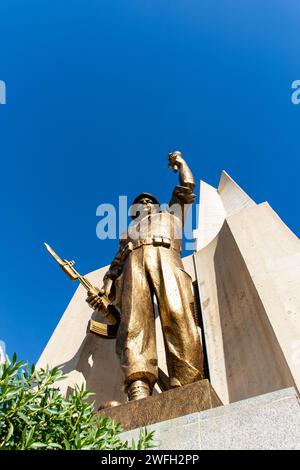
(155, 241)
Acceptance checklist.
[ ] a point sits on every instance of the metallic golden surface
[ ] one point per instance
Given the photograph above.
(171, 404)
(66, 266)
(148, 264)
(158, 270)
(97, 298)
(138, 389)
(109, 404)
(101, 329)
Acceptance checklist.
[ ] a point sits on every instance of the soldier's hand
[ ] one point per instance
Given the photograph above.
(175, 160)
(94, 298)
(107, 285)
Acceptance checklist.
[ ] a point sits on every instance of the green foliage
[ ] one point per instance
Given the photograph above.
(34, 414)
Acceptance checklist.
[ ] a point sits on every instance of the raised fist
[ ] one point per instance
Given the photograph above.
(175, 160)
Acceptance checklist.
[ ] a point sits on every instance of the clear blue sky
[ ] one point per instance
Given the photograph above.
(98, 92)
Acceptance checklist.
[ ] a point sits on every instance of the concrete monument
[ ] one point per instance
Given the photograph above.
(245, 273)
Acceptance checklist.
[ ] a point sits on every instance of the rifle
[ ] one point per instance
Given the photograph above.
(106, 308)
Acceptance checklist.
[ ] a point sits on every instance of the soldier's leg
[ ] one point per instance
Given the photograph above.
(136, 343)
(174, 292)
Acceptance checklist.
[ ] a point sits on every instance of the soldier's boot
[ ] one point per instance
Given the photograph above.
(109, 404)
(138, 389)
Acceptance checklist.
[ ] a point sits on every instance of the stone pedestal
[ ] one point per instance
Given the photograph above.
(265, 422)
(171, 404)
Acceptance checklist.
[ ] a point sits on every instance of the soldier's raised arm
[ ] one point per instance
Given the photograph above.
(183, 193)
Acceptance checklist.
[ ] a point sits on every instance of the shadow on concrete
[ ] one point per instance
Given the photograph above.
(254, 361)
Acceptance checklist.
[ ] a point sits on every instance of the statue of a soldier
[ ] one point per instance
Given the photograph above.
(148, 263)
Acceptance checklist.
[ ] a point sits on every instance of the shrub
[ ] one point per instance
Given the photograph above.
(34, 414)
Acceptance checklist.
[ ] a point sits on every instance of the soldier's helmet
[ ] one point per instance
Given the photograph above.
(139, 198)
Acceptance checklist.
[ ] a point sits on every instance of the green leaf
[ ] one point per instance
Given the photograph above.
(67, 444)
(10, 432)
(38, 445)
(23, 417)
(54, 445)
(35, 415)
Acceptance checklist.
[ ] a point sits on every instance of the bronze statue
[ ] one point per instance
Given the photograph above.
(148, 263)
(106, 307)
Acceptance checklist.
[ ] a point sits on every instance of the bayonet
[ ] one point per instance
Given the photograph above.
(106, 308)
